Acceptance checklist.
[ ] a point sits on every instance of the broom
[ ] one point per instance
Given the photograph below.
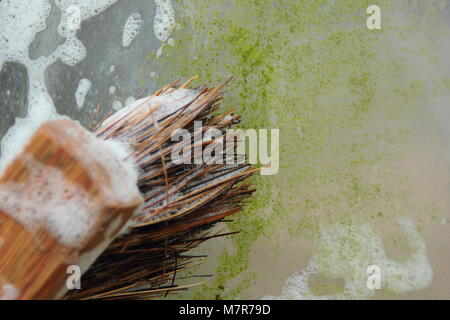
(181, 202)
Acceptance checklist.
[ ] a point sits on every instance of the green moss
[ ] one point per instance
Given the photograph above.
(334, 89)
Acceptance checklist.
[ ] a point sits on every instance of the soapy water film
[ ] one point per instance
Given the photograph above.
(363, 119)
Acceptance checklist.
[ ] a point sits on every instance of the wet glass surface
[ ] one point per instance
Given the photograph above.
(102, 37)
(363, 119)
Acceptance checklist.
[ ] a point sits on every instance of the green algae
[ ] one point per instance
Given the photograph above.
(343, 98)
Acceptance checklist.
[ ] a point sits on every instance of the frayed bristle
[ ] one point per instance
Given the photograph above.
(182, 201)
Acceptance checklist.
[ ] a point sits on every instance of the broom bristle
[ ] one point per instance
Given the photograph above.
(182, 201)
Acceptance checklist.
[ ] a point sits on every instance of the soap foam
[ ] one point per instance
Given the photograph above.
(18, 28)
(113, 155)
(83, 88)
(130, 100)
(164, 104)
(112, 69)
(117, 105)
(131, 29)
(10, 292)
(64, 208)
(164, 19)
(61, 210)
(347, 250)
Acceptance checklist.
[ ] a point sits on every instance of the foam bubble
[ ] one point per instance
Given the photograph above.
(18, 28)
(164, 19)
(65, 209)
(131, 29)
(87, 8)
(159, 52)
(112, 68)
(10, 292)
(83, 88)
(347, 250)
(166, 104)
(117, 105)
(122, 169)
(130, 100)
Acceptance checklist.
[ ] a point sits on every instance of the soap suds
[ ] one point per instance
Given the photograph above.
(18, 28)
(62, 206)
(166, 104)
(9, 292)
(83, 88)
(117, 105)
(171, 42)
(164, 23)
(159, 52)
(59, 206)
(131, 29)
(130, 100)
(346, 252)
(123, 170)
(112, 69)
(164, 19)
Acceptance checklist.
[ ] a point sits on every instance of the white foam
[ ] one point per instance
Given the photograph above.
(164, 19)
(117, 105)
(130, 100)
(112, 68)
(61, 210)
(83, 88)
(131, 29)
(171, 102)
(346, 250)
(165, 104)
(159, 52)
(124, 174)
(114, 156)
(112, 90)
(18, 27)
(62, 206)
(88, 8)
(171, 42)
(10, 292)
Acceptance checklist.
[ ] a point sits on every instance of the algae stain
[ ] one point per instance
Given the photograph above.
(313, 70)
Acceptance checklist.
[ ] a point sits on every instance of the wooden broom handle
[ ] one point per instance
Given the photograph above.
(34, 254)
